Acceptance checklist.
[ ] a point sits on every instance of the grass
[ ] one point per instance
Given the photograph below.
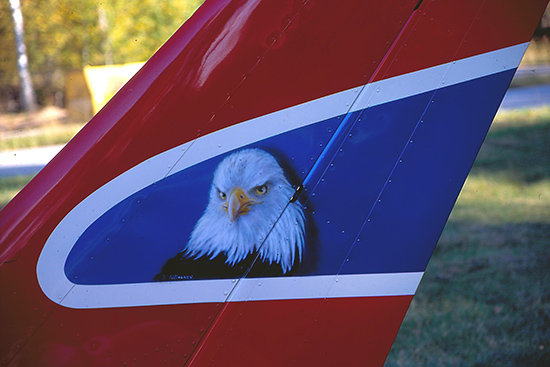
(41, 136)
(485, 297)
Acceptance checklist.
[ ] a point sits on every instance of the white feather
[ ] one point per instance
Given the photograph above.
(215, 234)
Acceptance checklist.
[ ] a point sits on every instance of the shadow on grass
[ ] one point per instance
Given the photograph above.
(520, 152)
(484, 300)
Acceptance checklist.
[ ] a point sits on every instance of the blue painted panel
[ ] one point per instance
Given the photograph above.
(348, 229)
(405, 225)
(131, 242)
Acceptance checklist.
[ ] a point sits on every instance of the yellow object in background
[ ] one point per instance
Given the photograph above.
(104, 81)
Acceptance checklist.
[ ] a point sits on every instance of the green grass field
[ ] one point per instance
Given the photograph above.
(47, 135)
(485, 297)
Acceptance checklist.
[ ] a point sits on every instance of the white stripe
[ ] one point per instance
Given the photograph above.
(260, 289)
(443, 75)
(327, 286)
(51, 263)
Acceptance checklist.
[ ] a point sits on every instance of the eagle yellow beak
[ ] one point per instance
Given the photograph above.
(238, 203)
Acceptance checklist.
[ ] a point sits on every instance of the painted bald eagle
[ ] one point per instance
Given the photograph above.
(248, 218)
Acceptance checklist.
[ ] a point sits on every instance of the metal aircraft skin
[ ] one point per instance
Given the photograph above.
(266, 191)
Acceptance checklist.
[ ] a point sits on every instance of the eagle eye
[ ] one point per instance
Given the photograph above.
(261, 190)
(222, 195)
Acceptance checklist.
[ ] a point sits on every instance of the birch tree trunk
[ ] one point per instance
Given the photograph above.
(28, 101)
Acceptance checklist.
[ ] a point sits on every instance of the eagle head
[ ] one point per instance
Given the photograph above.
(249, 211)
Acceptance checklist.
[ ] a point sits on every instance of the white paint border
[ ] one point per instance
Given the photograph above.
(50, 267)
(227, 290)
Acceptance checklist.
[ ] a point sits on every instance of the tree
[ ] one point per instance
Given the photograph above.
(28, 101)
(62, 36)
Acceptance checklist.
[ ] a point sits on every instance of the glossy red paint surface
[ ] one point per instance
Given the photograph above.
(234, 60)
(438, 33)
(150, 336)
(316, 332)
